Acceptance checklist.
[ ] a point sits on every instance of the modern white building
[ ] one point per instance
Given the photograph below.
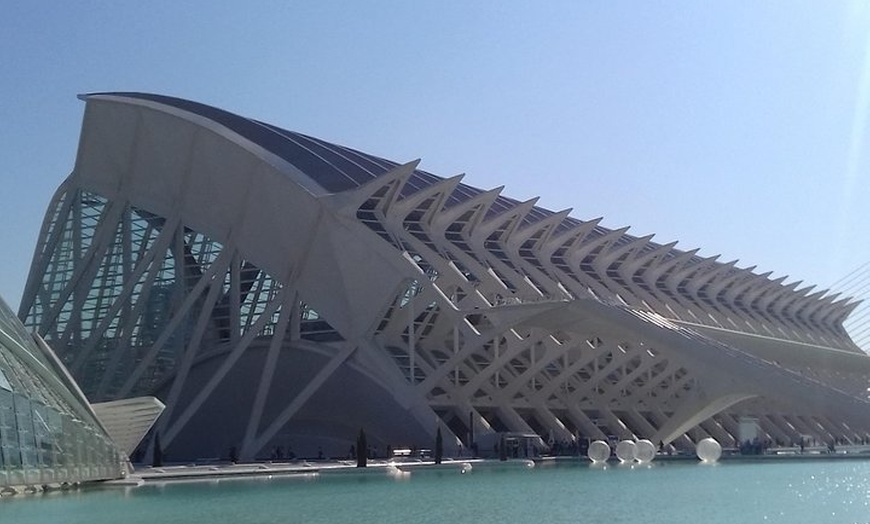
(277, 291)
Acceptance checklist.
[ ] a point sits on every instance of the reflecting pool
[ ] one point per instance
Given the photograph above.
(813, 491)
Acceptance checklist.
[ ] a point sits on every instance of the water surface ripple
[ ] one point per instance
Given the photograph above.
(784, 492)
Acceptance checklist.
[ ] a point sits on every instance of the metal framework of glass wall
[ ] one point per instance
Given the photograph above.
(48, 434)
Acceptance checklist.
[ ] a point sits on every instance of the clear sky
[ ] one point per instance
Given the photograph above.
(739, 128)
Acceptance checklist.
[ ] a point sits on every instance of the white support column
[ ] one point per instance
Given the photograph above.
(300, 399)
(553, 424)
(148, 266)
(564, 367)
(716, 431)
(49, 240)
(800, 425)
(495, 359)
(190, 352)
(512, 419)
(639, 422)
(224, 368)
(456, 352)
(616, 425)
(235, 309)
(84, 273)
(267, 375)
(581, 420)
(532, 365)
(170, 328)
(411, 350)
(726, 420)
(777, 427)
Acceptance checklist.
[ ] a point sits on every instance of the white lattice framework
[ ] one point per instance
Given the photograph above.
(192, 251)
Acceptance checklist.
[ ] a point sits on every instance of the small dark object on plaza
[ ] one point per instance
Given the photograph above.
(157, 456)
(361, 448)
(439, 446)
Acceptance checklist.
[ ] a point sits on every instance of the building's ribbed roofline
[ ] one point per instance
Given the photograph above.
(337, 168)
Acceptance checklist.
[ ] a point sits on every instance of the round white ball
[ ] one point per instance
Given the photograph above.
(625, 450)
(645, 451)
(598, 451)
(708, 450)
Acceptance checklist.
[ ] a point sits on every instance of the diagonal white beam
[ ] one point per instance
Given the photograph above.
(299, 400)
(266, 376)
(224, 368)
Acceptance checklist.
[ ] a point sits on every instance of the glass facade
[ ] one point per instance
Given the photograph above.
(121, 295)
(48, 433)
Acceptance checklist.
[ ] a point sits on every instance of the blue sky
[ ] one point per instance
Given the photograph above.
(737, 128)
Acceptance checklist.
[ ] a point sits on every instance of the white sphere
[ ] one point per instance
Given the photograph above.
(625, 450)
(598, 451)
(708, 450)
(645, 451)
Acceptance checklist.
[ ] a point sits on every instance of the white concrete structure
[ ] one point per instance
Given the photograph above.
(128, 420)
(277, 290)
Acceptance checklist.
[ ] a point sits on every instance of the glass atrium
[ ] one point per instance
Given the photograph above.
(48, 432)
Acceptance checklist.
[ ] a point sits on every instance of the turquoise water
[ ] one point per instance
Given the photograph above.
(787, 492)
